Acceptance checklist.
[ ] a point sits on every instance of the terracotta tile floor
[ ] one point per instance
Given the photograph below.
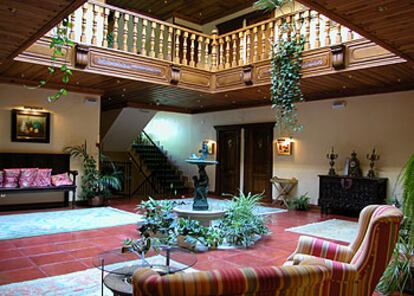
(48, 255)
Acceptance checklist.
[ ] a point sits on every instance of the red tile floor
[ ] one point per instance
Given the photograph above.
(49, 255)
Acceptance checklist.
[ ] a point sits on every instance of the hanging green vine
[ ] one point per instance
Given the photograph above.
(59, 44)
(286, 65)
(286, 68)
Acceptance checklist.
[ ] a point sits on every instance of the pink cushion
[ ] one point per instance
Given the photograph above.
(1, 178)
(61, 180)
(27, 177)
(11, 178)
(43, 178)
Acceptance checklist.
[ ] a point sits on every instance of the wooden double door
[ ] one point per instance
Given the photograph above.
(245, 156)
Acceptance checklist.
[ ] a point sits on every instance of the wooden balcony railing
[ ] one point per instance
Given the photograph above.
(107, 26)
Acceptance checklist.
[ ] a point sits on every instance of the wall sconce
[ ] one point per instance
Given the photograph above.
(284, 146)
(211, 146)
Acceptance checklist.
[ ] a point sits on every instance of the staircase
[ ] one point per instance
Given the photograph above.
(159, 177)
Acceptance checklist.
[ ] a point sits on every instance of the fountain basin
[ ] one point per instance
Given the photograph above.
(204, 217)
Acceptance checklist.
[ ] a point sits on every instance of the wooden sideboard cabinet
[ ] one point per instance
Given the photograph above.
(349, 195)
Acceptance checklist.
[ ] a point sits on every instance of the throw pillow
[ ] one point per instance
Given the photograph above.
(43, 178)
(61, 180)
(27, 177)
(11, 178)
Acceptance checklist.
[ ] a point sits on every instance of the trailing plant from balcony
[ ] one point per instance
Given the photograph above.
(59, 44)
(286, 65)
(399, 272)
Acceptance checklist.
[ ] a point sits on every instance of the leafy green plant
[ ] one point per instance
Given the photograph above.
(399, 273)
(240, 225)
(300, 203)
(158, 219)
(59, 44)
(194, 232)
(93, 182)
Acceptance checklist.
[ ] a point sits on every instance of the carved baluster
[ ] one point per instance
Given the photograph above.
(327, 32)
(95, 10)
(279, 29)
(185, 45)
(135, 35)
(307, 29)
(263, 51)
(200, 52)
(161, 43)
(115, 32)
(214, 51)
(289, 27)
(221, 54)
(152, 39)
(227, 58)
(105, 27)
(84, 17)
(169, 43)
(349, 34)
(317, 30)
(125, 33)
(271, 35)
(338, 38)
(72, 28)
(192, 49)
(248, 46)
(144, 37)
(206, 52)
(177, 46)
(241, 48)
(297, 21)
(255, 44)
(234, 50)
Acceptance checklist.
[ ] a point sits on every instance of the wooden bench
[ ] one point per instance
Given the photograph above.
(59, 163)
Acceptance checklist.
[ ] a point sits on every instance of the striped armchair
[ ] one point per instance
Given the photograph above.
(357, 268)
(316, 268)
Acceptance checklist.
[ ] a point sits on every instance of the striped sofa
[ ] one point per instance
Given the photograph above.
(316, 268)
(357, 268)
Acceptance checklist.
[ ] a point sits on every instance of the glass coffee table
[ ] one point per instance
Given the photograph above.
(117, 267)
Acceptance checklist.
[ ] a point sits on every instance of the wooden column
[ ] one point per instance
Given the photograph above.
(248, 47)
(338, 38)
(307, 29)
(214, 51)
(327, 32)
(241, 48)
(125, 33)
(192, 49)
(115, 32)
(227, 64)
(161, 43)
(184, 61)
(317, 30)
(206, 53)
(83, 27)
(169, 43)
(263, 54)
(221, 54)
(152, 39)
(234, 50)
(255, 44)
(144, 37)
(105, 27)
(200, 52)
(135, 34)
(95, 11)
(72, 28)
(177, 46)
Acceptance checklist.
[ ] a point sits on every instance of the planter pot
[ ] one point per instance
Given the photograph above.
(96, 201)
(181, 242)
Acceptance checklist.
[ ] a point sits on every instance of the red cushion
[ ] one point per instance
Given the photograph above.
(11, 178)
(43, 178)
(27, 177)
(61, 180)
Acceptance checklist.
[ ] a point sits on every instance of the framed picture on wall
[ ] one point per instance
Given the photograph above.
(284, 146)
(30, 126)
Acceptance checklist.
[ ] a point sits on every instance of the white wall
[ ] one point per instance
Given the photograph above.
(72, 121)
(382, 121)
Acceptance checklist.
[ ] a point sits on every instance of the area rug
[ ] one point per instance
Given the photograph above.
(41, 223)
(218, 203)
(81, 283)
(335, 229)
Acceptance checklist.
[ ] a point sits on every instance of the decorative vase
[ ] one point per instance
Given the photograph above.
(96, 201)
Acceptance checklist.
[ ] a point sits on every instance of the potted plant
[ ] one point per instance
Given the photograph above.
(95, 185)
(240, 225)
(300, 203)
(399, 274)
